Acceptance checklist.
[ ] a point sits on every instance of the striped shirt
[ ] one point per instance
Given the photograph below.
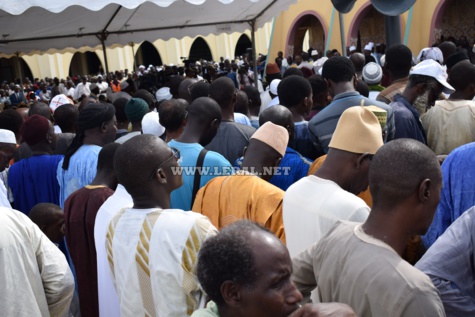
(396, 87)
(323, 125)
(152, 255)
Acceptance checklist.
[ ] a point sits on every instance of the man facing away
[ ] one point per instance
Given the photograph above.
(314, 204)
(36, 279)
(339, 73)
(247, 194)
(451, 123)
(361, 264)
(152, 250)
(33, 180)
(96, 128)
(204, 118)
(232, 137)
(80, 211)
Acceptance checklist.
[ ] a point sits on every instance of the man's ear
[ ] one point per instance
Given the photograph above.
(244, 151)
(231, 293)
(361, 159)
(425, 189)
(162, 178)
(277, 162)
(103, 126)
(49, 138)
(355, 81)
(215, 123)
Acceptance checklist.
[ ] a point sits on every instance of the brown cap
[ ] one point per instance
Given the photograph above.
(273, 135)
(358, 131)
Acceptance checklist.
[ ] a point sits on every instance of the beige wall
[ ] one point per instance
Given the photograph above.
(57, 65)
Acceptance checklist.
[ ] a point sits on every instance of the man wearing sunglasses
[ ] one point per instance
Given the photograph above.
(152, 249)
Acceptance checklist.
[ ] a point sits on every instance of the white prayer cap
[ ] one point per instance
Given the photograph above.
(171, 65)
(372, 73)
(163, 94)
(151, 125)
(273, 86)
(7, 136)
(371, 44)
(368, 48)
(352, 48)
(150, 66)
(59, 100)
(431, 53)
(197, 63)
(141, 67)
(314, 53)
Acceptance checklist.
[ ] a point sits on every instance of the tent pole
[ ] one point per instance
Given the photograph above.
(342, 34)
(21, 73)
(254, 63)
(103, 39)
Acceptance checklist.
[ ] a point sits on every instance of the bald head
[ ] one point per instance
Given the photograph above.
(136, 163)
(204, 109)
(40, 108)
(398, 169)
(222, 91)
(278, 114)
(447, 48)
(172, 114)
(358, 61)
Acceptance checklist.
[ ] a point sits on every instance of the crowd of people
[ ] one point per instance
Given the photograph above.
(319, 186)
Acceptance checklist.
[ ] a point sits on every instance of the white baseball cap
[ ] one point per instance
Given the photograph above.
(431, 68)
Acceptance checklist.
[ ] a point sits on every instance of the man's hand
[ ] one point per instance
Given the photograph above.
(324, 310)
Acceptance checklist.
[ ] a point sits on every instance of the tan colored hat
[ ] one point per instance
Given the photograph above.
(357, 131)
(380, 113)
(273, 135)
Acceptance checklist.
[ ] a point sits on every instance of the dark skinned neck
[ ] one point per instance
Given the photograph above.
(343, 87)
(42, 148)
(192, 134)
(459, 95)
(227, 114)
(152, 200)
(381, 225)
(105, 179)
(137, 126)
(122, 126)
(253, 166)
(327, 171)
(296, 116)
(255, 111)
(410, 95)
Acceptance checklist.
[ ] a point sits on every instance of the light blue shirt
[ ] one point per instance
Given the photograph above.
(214, 165)
(81, 172)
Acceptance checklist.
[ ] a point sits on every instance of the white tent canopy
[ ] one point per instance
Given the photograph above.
(34, 26)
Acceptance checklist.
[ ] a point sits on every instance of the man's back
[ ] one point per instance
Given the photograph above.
(367, 274)
(324, 123)
(231, 140)
(227, 199)
(388, 94)
(152, 255)
(82, 170)
(449, 124)
(35, 276)
(33, 180)
(312, 206)
(218, 166)
(80, 210)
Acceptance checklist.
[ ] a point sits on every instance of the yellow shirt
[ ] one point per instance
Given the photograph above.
(227, 199)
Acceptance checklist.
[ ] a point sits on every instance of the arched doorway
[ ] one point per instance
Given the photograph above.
(242, 45)
(10, 69)
(200, 50)
(85, 64)
(307, 25)
(147, 54)
(453, 20)
(367, 26)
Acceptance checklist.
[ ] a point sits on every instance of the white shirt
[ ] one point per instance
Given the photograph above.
(242, 119)
(82, 89)
(108, 300)
(311, 208)
(102, 86)
(274, 102)
(4, 201)
(265, 100)
(153, 255)
(35, 277)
